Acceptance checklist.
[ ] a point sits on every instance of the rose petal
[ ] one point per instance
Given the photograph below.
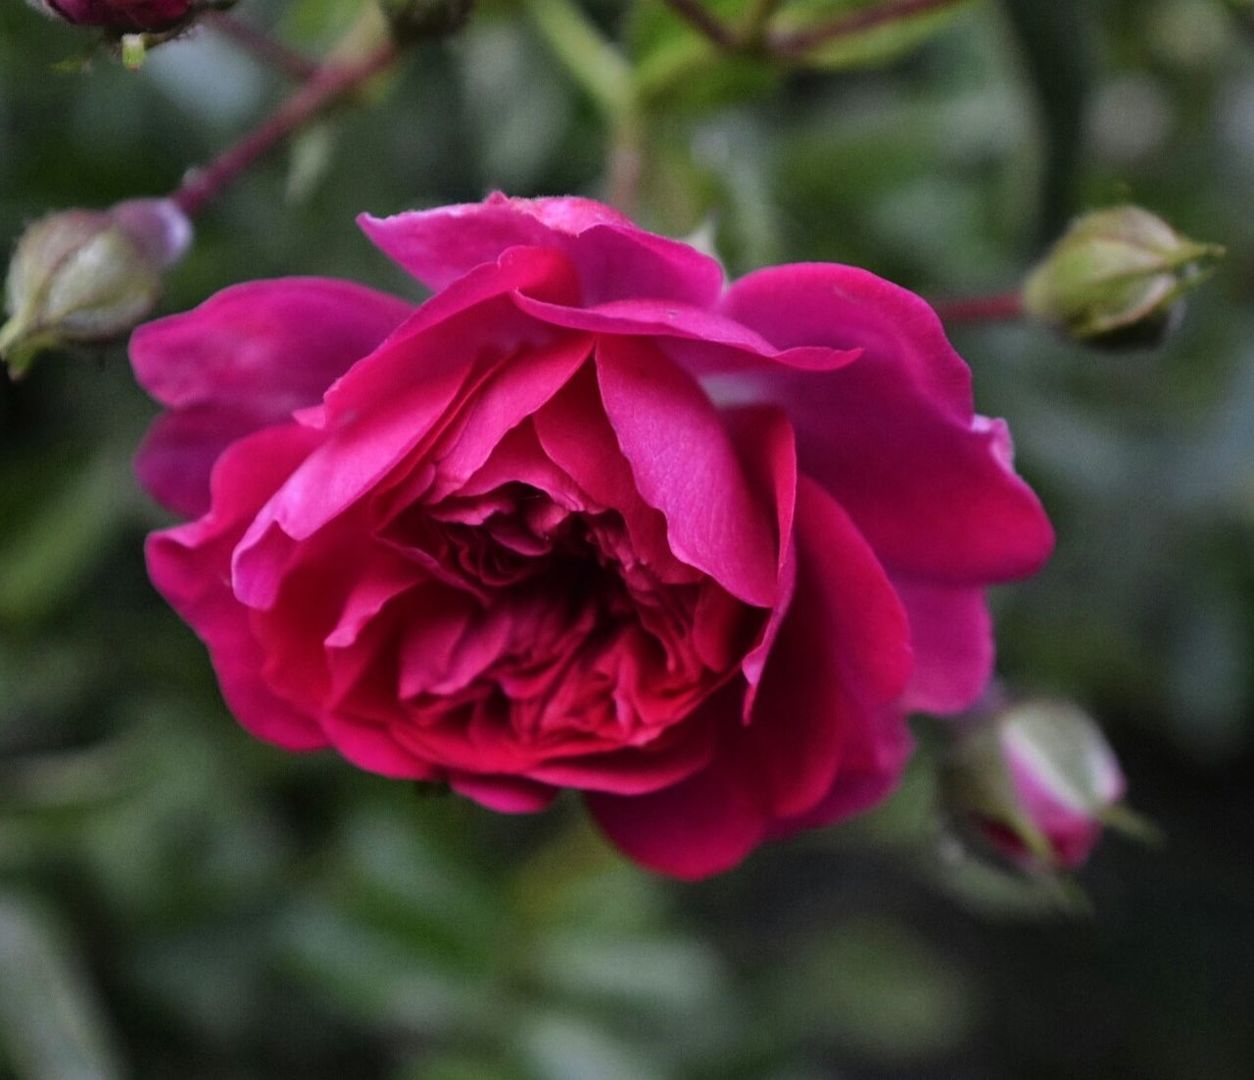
(893, 435)
(842, 654)
(684, 465)
(614, 259)
(951, 634)
(247, 357)
(188, 566)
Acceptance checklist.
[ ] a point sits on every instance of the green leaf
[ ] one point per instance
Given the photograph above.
(51, 1027)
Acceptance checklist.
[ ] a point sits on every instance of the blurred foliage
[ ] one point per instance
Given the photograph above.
(176, 899)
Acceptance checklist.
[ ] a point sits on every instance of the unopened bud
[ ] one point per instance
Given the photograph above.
(86, 276)
(412, 20)
(1116, 277)
(1035, 781)
(122, 16)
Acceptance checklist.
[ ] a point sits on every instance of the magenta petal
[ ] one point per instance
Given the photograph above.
(700, 826)
(614, 259)
(247, 357)
(842, 654)
(270, 346)
(767, 447)
(375, 750)
(684, 465)
(177, 456)
(893, 435)
(504, 794)
(188, 565)
(951, 634)
(871, 766)
(713, 343)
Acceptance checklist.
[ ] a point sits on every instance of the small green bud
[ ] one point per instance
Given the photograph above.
(412, 20)
(87, 276)
(1116, 277)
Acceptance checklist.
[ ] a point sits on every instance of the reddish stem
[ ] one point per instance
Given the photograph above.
(695, 13)
(803, 41)
(1004, 307)
(262, 46)
(328, 85)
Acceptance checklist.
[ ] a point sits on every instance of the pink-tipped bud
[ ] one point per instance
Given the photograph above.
(88, 276)
(1035, 781)
(122, 16)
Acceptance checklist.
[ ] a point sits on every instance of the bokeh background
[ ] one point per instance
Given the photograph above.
(178, 900)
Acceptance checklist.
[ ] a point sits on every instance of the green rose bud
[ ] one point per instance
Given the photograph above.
(88, 276)
(412, 20)
(1116, 277)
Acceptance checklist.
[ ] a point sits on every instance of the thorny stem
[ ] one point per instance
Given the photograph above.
(261, 45)
(700, 18)
(803, 41)
(327, 86)
(1002, 307)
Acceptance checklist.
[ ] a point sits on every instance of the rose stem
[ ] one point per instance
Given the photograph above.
(262, 46)
(698, 16)
(330, 83)
(1003, 307)
(803, 41)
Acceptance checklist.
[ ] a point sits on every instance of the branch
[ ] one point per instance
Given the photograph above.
(330, 84)
(1002, 307)
(800, 42)
(700, 19)
(262, 46)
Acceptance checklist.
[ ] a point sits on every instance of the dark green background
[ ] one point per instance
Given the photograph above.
(179, 901)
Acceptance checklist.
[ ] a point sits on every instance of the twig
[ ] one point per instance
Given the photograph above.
(1002, 307)
(699, 17)
(800, 42)
(261, 45)
(327, 86)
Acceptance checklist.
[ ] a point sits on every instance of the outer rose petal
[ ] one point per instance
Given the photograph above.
(615, 260)
(246, 358)
(951, 633)
(188, 565)
(893, 435)
(819, 730)
(504, 794)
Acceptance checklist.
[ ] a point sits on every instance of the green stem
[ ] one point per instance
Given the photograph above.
(591, 60)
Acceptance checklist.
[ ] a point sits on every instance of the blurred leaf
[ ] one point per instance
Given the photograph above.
(558, 1047)
(879, 990)
(48, 555)
(51, 1027)
(665, 976)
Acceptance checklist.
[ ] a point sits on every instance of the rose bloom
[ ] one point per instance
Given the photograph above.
(121, 16)
(587, 518)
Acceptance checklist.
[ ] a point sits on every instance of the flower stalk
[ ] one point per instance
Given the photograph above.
(327, 87)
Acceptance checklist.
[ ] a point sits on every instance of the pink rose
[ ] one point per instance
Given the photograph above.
(121, 16)
(587, 518)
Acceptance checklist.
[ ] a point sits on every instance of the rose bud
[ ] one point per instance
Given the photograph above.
(590, 518)
(1036, 781)
(1116, 277)
(87, 276)
(411, 20)
(120, 17)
